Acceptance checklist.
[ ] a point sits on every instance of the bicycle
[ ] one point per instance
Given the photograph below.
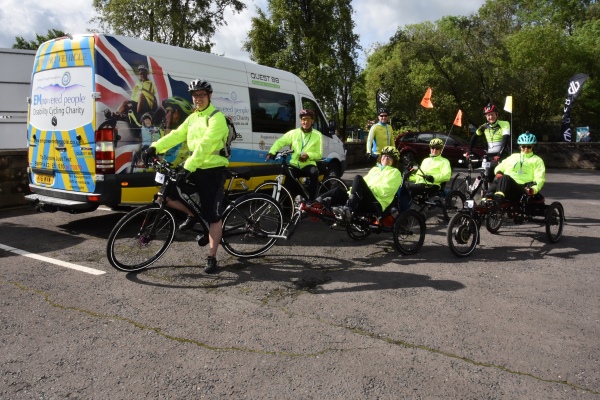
(449, 201)
(463, 230)
(465, 184)
(405, 223)
(252, 222)
(281, 190)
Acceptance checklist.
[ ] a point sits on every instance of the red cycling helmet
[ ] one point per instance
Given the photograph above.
(490, 108)
(307, 112)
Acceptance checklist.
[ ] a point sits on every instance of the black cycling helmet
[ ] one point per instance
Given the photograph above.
(490, 108)
(146, 116)
(307, 112)
(527, 138)
(199, 84)
(142, 68)
(383, 111)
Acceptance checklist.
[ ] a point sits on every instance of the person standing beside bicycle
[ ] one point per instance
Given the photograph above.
(381, 134)
(205, 135)
(517, 171)
(435, 170)
(497, 135)
(306, 143)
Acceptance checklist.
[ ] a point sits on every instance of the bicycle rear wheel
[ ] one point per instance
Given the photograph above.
(460, 182)
(409, 232)
(249, 224)
(330, 183)
(140, 238)
(285, 199)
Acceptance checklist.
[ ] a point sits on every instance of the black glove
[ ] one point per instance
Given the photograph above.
(269, 156)
(148, 155)
(428, 178)
(183, 175)
(367, 156)
(483, 127)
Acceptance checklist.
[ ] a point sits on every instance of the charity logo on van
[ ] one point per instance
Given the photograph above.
(66, 78)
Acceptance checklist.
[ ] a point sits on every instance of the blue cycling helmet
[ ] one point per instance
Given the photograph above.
(527, 138)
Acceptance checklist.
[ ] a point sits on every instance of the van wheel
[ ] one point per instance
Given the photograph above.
(334, 170)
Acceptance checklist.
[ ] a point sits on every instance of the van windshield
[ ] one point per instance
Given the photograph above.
(61, 99)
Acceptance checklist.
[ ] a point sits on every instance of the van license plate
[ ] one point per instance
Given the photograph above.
(159, 178)
(44, 179)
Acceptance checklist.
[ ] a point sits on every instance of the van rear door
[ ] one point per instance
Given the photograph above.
(61, 134)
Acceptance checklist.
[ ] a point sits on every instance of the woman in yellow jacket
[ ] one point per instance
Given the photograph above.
(370, 194)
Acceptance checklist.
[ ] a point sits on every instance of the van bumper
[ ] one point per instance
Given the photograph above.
(53, 204)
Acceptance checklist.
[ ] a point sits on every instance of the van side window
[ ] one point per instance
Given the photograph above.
(272, 112)
(320, 121)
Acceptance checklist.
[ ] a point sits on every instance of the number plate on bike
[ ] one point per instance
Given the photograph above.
(159, 178)
(486, 164)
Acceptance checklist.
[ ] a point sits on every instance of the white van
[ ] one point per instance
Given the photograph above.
(86, 116)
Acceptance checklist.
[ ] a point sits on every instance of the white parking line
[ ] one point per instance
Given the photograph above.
(52, 260)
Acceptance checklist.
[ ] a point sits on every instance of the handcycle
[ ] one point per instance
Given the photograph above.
(463, 233)
(252, 222)
(290, 191)
(406, 224)
(449, 201)
(464, 183)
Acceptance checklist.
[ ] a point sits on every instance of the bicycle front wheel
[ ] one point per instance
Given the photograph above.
(409, 232)
(249, 225)
(283, 196)
(140, 238)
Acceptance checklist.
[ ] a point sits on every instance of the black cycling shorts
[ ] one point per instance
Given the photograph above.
(209, 185)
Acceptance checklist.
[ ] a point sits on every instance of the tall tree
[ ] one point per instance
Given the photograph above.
(300, 36)
(21, 43)
(184, 23)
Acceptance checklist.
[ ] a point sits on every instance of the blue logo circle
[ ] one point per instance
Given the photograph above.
(66, 78)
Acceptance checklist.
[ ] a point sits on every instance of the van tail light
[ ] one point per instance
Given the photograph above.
(105, 151)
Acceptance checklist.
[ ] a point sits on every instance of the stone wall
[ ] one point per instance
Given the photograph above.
(14, 181)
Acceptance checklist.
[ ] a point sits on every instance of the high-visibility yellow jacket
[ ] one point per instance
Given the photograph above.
(524, 168)
(301, 142)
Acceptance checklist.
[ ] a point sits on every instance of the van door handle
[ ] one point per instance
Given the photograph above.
(61, 148)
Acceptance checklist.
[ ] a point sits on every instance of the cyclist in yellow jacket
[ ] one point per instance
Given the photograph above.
(372, 193)
(380, 135)
(308, 149)
(515, 172)
(205, 167)
(434, 171)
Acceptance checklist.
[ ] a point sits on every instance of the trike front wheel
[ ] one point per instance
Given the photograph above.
(555, 220)
(409, 232)
(462, 234)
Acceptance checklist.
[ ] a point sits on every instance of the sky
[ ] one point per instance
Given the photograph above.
(375, 21)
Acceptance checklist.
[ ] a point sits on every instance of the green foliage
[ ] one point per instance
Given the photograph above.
(21, 43)
(528, 49)
(182, 23)
(300, 36)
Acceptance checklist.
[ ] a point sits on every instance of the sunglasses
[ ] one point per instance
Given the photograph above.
(527, 147)
(435, 148)
(200, 95)
(384, 116)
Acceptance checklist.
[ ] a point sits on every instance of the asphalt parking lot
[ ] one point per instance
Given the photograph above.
(319, 317)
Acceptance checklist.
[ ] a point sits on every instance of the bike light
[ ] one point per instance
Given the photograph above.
(469, 203)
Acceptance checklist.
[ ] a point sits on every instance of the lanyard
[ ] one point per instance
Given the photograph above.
(307, 140)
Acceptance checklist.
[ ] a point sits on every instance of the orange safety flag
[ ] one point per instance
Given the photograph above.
(426, 102)
(458, 119)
